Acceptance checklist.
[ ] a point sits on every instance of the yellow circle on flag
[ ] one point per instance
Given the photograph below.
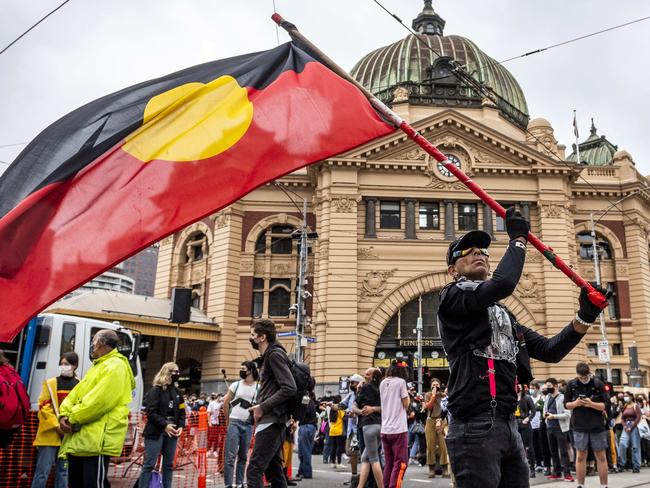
(192, 122)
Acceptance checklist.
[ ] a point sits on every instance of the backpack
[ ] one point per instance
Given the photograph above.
(14, 401)
(304, 383)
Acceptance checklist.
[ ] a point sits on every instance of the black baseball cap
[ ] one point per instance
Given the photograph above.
(474, 238)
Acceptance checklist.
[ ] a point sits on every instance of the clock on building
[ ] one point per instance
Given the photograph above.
(444, 171)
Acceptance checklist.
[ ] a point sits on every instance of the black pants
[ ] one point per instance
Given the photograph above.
(88, 471)
(338, 448)
(557, 443)
(266, 458)
(487, 453)
(545, 444)
(526, 432)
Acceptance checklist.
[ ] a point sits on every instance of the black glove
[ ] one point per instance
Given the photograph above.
(588, 311)
(516, 224)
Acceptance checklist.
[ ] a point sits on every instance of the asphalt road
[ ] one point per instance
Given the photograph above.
(326, 476)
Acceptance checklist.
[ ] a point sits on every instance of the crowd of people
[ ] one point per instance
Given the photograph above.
(382, 424)
(379, 427)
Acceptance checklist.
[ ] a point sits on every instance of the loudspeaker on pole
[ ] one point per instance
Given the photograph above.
(180, 306)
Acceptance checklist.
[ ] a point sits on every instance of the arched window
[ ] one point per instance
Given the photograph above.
(279, 297)
(276, 239)
(586, 246)
(275, 267)
(196, 248)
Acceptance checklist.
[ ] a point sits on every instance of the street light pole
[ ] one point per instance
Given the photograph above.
(594, 247)
(301, 312)
(603, 326)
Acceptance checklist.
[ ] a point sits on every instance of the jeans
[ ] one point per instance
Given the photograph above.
(327, 446)
(305, 445)
(626, 439)
(152, 448)
(396, 454)
(557, 444)
(266, 458)
(47, 456)
(238, 440)
(487, 452)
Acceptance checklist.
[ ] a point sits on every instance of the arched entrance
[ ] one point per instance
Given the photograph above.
(398, 340)
(392, 322)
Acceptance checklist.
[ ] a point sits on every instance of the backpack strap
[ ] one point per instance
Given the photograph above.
(234, 393)
(53, 397)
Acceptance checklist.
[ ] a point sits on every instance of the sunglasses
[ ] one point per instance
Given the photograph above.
(461, 254)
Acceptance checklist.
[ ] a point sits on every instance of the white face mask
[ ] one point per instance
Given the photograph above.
(66, 370)
(626, 399)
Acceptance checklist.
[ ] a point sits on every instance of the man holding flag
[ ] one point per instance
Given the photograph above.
(489, 353)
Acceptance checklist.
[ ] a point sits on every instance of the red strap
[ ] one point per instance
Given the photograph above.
(492, 379)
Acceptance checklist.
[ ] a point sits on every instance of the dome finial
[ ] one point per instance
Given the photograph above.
(428, 21)
(593, 128)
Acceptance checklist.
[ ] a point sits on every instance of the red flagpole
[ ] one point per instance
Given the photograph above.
(595, 296)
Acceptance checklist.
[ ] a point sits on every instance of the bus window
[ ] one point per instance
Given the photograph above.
(68, 337)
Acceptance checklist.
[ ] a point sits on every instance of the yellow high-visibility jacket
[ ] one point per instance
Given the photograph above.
(99, 404)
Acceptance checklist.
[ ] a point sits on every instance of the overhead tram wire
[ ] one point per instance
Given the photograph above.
(14, 144)
(579, 38)
(32, 27)
(462, 75)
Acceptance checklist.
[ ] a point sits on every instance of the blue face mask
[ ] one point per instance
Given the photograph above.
(201, 402)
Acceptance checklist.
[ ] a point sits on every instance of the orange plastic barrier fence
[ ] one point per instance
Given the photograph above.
(18, 460)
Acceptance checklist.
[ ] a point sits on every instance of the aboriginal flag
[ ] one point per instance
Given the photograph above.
(124, 171)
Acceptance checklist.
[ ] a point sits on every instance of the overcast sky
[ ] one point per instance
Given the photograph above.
(90, 48)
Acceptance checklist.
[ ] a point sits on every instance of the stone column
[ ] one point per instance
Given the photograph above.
(450, 234)
(337, 333)
(164, 268)
(371, 218)
(410, 218)
(525, 210)
(487, 220)
(224, 295)
(636, 238)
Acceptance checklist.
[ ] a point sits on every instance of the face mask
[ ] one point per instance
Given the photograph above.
(254, 344)
(548, 391)
(243, 374)
(201, 402)
(626, 399)
(65, 370)
(175, 377)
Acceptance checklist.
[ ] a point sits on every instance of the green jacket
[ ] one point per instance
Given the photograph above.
(99, 405)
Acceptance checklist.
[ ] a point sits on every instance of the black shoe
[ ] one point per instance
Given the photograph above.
(635, 470)
(291, 483)
(532, 474)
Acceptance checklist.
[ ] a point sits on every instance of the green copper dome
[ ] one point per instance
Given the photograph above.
(596, 150)
(417, 63)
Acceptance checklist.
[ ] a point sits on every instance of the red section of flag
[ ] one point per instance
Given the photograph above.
(70, 231)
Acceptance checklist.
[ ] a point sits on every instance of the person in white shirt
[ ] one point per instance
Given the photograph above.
(394, 427)
(241, 396)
